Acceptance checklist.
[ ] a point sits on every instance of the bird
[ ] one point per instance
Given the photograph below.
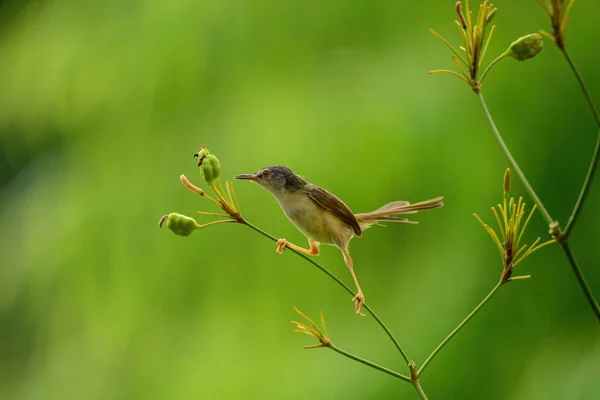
(325, 219)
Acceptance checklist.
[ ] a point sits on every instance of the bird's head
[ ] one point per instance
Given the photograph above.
(276, 179)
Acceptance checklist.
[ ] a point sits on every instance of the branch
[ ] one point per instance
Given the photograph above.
(415, 382)
(419, 390)
(369, 363)
(554, 229)
(581, 279)
(513, 162)
(342, 284)
(460, 326)
(594, 162)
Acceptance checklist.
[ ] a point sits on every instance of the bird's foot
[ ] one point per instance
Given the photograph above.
(359, 301)
(281, 245)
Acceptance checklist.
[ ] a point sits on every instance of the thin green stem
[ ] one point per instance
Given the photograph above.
(580, 278)
(459, 327)
(584, 189)
(369, 363)
(583, 86)
(387, 331)
(217, 222)
(594, 162)
(563, 243)
(500, 57)
(419, 390)
(339, 282)
(512, 161)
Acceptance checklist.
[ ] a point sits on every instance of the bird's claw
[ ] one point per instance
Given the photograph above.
(359, 301)
(281, 245)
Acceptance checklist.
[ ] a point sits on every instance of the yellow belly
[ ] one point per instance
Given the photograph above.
(315, 222)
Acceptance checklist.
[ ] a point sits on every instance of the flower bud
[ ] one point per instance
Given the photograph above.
(179, 224)
(210, 168)
(491, 15)
(507, 180)
(526, 47)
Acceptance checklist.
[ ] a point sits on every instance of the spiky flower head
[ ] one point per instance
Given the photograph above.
(512, 224)
(474, 33)
(559, 12)
(313, 330)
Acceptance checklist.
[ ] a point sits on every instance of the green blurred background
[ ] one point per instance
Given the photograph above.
(103, 103)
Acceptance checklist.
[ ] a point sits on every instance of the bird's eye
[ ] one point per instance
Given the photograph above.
(265, 173)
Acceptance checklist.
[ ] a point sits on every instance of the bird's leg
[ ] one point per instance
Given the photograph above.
(359, 299)
(313, 251)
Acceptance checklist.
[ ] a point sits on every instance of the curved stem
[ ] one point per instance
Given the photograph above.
(369, 363)
(419, 390)
(459, 327)
(512, 161)
(387, 331)
(584, 189)
(500, 57)
(579, 77)
(563, 243)
(339, 282)
(581, 279)
(594, 162)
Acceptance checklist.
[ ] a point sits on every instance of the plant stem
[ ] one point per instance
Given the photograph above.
(594, 162)
(579, 77)
(584, 190)
(512, 161)
(459, 327)
(339, 282)
(500, 57)
(561, 241)
(581, 279)
(369, 363)
(419, 390)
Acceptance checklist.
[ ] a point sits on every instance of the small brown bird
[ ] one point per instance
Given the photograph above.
(324, 218)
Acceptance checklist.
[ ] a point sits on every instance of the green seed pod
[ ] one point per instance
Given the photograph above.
(179, 224)
(201, 154)
(210, 168)
(202, 151)
(526, 47)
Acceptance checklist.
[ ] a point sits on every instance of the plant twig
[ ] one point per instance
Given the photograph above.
(459, 327)
(512, 161)
(342, 284)
(584, 189)
(560, 239)
(583, 86)
(419, 389)
(369, 363)
(581, 279)
(500, 57)
(594, 162)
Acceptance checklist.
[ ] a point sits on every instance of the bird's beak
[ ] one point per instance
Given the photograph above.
(247, 177)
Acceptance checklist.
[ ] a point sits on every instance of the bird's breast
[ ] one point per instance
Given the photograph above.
(313, 221)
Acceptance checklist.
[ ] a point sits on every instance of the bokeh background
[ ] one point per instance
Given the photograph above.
(103, 103)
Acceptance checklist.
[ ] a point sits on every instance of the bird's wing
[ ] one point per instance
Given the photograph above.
(335, 206)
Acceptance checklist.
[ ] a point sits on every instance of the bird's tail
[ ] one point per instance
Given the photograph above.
(387, 212)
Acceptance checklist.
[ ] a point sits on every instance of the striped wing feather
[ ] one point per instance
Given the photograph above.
(335, 206)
